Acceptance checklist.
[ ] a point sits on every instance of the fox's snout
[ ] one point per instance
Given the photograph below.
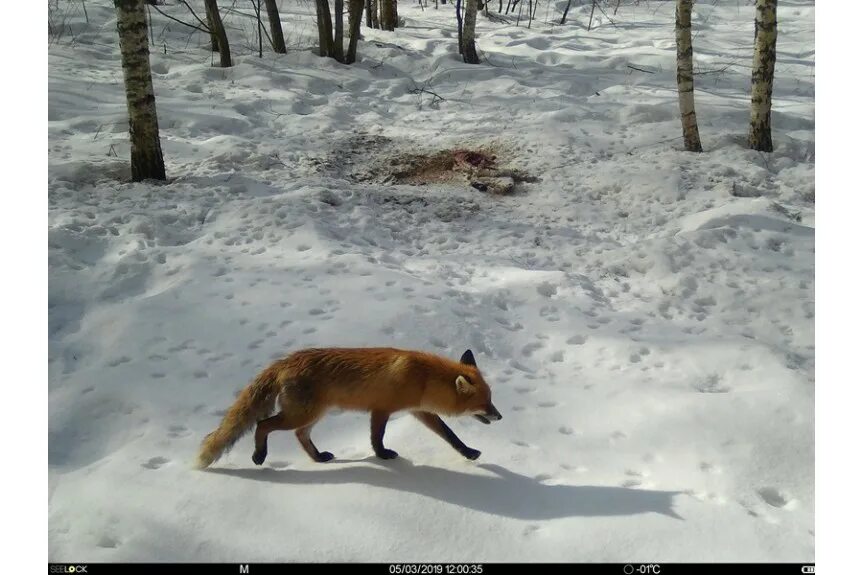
(491, 414)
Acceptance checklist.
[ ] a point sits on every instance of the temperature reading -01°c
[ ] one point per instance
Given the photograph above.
(643, 569)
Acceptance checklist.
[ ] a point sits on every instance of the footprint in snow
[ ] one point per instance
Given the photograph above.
(155, 462)
(775, 498)
(108, 542)
(178, 431)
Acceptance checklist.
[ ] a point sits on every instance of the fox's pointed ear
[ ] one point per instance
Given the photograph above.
(468, 358)
(463, 385)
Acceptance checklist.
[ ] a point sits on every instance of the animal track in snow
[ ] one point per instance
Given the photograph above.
(528, 349)
(178, 431)
(712, 384)
(119, 361)
(617, 436)
(155, 462)
(108, 542)
(775, 498)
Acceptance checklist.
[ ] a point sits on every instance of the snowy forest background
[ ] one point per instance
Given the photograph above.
(643, 312)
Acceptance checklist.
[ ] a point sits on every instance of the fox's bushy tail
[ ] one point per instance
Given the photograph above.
(254, 403)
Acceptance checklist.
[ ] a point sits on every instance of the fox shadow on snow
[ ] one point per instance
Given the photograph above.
(505, 493)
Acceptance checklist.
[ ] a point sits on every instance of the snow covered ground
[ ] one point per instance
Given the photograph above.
(645, 316)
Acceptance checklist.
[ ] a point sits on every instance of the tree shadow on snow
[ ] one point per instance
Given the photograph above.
(505, 493)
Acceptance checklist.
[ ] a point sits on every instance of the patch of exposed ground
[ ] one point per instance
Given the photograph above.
(376, 159)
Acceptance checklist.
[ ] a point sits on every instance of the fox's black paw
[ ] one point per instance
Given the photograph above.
(325, 456)
(259, 457)
(471, 454)
(386, 454)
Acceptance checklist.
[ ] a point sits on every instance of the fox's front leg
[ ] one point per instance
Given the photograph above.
(378, 428)
(435, 424)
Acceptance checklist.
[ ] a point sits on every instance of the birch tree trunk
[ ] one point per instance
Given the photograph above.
(219, 33)
(147, 160)
(685, 76)
(763, 71)
(324, 27)
(275, 31)
(375, 14)
(469, 36)
(355, 20)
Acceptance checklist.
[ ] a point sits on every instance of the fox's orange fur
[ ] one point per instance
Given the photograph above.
(381, 381)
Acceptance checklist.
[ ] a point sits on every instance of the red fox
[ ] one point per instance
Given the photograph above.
(379, 380)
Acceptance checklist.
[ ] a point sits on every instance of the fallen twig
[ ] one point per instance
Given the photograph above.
(640, 69)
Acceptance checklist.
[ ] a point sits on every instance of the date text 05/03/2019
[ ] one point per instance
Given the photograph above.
(435, 569)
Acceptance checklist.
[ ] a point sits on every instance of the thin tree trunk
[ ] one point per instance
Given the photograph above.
(388, 15)
(685, 76)
(324, 27)
(355, 7)
(460, 26)
(762, 74)
(213, 37)
(368, 14)
(470, 56)
(593, 9)
(219, 32)
(338, 53)
(256, 5)
(375, 14)
(146, 157)
(275, 31)
(565, 12)
(350, 14)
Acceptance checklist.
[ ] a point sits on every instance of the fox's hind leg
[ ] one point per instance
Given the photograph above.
(303, 434)
(286, 420)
